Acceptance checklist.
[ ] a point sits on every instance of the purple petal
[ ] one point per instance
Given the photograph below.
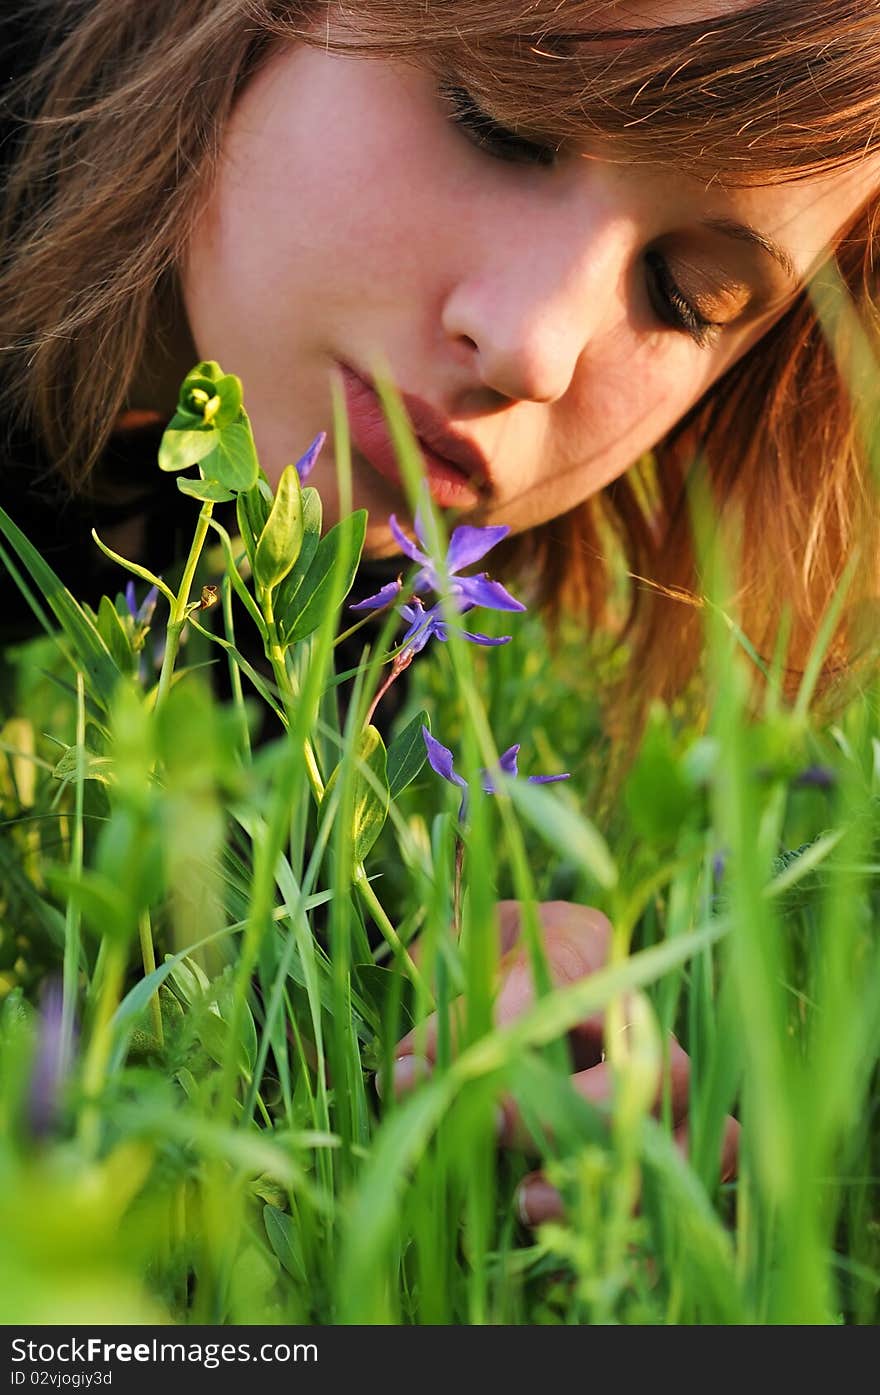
(407, 547)
(816, 777)
(382, 598)
(440, 760)
(507, 762)
(469, 544)
(413, 609)
(131, 599)
(306, 463)
(546, 779)
(423, 625)
(148, 605)
(50, 1066)
(484, 639)
(414, 640)
(479, 590)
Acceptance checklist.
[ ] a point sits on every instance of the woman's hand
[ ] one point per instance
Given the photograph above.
(576, 942)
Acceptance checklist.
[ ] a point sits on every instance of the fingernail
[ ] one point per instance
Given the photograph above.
(537, 1201)
(408, 1071)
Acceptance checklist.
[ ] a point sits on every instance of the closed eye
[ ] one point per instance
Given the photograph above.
(671, 305)
(500, 142)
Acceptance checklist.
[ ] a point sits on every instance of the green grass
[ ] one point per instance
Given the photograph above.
(217, 1152)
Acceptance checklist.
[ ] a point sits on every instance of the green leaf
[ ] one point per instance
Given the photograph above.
(256, 504)
(313, 511)
(228, 389)
(328, 580)
(233, 462)
(103, 904)
(407, 754)
(208, 490)
(113, 633)
(281, 539)
(370, 795)
(135, 568)
(283, 1238)
(182, 448)
(207, 368)
(93, 767)
(657, 794)
(90, 649)
(312, 519)
(204, 384)
(216, 1037)
(564, 830)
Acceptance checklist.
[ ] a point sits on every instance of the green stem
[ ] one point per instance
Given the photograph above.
(72, 938)
(149, 957)
(380, 916)
(177, 619)
(284, 683)
(235, 672)
(101, 1040)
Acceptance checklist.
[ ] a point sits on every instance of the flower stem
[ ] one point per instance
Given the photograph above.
(380, 916)
(72, 939)
(401, 662)
(177, 619)
(284, 683)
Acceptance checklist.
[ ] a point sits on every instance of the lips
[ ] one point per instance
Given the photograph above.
(456, 470)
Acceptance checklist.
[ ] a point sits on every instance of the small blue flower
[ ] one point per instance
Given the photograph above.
(306, 463)
(50, 1066)
(143, 614)
(429, 624)
(817, 777)
(441, 761)
(466, 546)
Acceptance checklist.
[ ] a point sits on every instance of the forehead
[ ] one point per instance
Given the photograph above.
(805, 216)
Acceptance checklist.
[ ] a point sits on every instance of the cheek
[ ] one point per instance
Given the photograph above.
(632, 391)
(295, 226)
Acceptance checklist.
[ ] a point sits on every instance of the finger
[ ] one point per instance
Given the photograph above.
(575, 943)
(537, 1201)
(729, 1145)
(595, 1085)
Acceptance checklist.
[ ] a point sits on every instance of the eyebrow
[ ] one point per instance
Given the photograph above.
(744, 233)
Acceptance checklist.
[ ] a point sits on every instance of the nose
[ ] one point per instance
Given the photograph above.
(525, 316)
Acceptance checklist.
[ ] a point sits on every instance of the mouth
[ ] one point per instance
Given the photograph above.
(456, 471)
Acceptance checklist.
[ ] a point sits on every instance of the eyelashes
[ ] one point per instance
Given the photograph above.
(498, 141)
(668, 301)
(672, 306)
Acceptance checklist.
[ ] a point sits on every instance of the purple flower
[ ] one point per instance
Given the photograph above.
(818, 777)
(441, 760)
(50, 1066)
(306, 463)
(466, 546)
(143, 614)
(429, 624)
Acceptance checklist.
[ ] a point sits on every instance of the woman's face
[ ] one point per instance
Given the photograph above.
(558, 318)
